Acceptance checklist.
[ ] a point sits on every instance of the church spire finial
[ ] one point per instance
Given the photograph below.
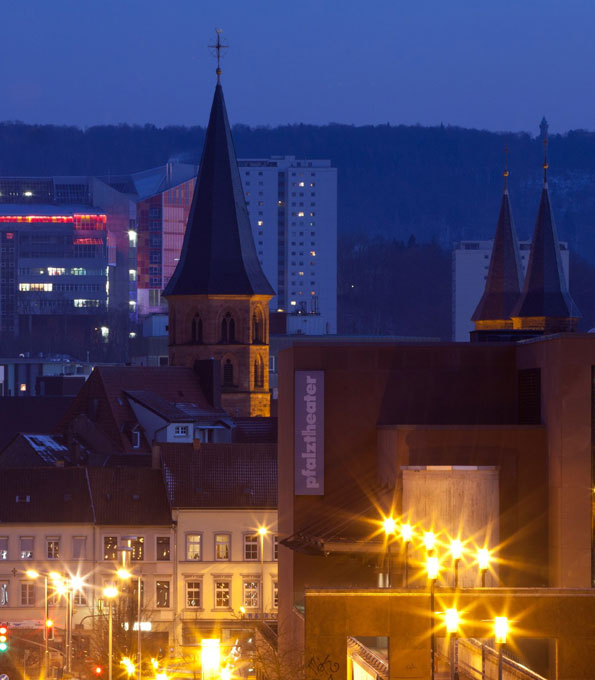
(545, 163)
(218, 46)
(505, 168)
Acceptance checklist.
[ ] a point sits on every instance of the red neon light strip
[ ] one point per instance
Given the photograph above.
(53, 218)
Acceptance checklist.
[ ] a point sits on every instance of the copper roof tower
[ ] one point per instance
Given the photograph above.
(503, 284)
(545, 305)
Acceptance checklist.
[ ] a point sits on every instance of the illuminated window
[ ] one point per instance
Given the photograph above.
(53, 548)
(163, 549)
(26, 547)
(132, 238)
(193, 594)
(138, 549)
(313, 253)
(132, 274)
(193, 546)
(56, 271)
(250, 547)
(275, 547)
(222, 593)
(275, 595)
(301, 184)
(251, 599)
(23, 387)
(260, 223)
(300, 214)
(181, 430)
(162, 594)
(3, 593)
(3, 547)
(222, 547)
(110, 547)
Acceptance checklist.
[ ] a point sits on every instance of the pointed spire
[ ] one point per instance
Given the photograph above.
(218, 254)
(545, 303)
(503, 283)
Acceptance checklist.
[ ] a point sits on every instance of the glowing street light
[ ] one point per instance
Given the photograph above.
(432, 569)
(225, 673)
(429, 540)
(210, 656)
(389, 526)
(451, 619)
(501, 628)
(483, 562)
(128, 665)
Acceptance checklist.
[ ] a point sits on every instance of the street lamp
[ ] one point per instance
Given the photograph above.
(390, 526)
(451, 618)
(456, 551)
(406, 537)
(124, 575)
(429, 540)
(210, 657)
(432, 569)
(32, 574)
(500, 633)
(483, 562)
(110, 592)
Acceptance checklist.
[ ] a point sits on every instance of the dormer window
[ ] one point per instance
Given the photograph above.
(181, 430)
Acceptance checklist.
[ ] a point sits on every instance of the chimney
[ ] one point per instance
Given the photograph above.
(155, 456)
(196, 443)
(209, 378)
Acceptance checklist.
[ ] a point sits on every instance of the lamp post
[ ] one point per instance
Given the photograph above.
(406, 536)
(432, 568)
(483, 562)
(456, 551)
(32, 574)
(124, 574)
(451, 617)
(500, 633)
(389, 525)
(262, 532)
(110, 593)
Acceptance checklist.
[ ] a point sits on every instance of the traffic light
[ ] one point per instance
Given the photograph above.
(49, 629)
(4, 643)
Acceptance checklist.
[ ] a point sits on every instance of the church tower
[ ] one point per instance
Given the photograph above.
(503, 284)
(545, 305)
(218, 296)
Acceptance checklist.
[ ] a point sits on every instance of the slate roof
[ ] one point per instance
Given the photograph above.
(545, 293)
(218, 255)
(134, 496)
(56, 495)
(503, 283)
(220, 475)
(175, 412)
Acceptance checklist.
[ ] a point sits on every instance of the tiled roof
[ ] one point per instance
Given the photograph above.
(220, 475)
(218, 255)
(29, 414)
(48, 495)
(503, 284)
(134, 496)
(255, 431)
(179, 411)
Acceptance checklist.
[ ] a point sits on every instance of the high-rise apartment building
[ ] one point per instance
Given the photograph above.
(66, 257)
(292, 205)
(470, 264)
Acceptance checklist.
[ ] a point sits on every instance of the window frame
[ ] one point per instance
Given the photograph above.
(115, 557)
(246, 542)
(27, 594)
(157, 551)
(255, 585)
(5, 587)
(228, 581)
(194, 580)
(82, 541)
(227, 534)
(53, 541)
(275, 547)
(188, 534)
(32, 551)
(137, 544)
(4, 544)
(166, 590)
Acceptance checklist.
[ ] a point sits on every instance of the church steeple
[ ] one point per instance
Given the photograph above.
(218, 296)
(503, 283)
(545, 305)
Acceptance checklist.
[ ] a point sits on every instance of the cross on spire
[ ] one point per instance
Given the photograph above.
(505, 167)
(545, 163)
(218, 46)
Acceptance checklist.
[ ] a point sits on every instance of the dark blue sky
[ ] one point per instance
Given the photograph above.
(494, 64)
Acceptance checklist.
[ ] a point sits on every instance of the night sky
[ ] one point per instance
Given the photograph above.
(493, 64)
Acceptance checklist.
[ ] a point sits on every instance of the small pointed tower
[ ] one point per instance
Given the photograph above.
(503, 284)
(218, 296)
(545, 305)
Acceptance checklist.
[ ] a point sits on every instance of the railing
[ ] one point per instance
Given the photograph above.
(477, 660)
(379, 664)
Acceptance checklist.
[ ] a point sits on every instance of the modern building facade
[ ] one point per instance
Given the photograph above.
(66, 259)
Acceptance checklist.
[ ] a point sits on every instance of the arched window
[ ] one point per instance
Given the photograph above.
(228, 373)
(257, 327)
(258, 372)
(228, 329)
(197, 330)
